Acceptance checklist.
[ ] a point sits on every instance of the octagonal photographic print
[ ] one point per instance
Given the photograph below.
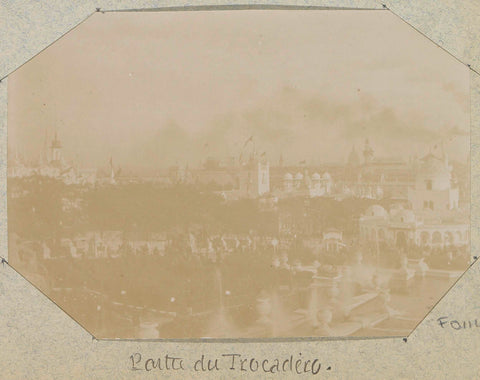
(240, 174)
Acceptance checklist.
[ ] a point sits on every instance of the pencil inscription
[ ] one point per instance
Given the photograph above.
(446, 322)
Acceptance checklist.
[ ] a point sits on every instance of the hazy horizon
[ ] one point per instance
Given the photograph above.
(155, 89)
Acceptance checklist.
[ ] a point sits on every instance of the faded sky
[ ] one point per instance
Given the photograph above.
(155, 88)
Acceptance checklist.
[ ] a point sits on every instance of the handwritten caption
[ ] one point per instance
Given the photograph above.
(446, 322)
(294, 364)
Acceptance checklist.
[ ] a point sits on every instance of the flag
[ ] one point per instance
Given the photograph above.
(248, 140)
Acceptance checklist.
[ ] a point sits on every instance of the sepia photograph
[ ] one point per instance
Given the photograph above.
(240, 174)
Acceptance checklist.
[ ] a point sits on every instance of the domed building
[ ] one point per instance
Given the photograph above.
(298, 180)
(321, 185)
(403, 228)
(376, 211)
(401, 215)
(315, 187)
(434, 218)
(302, 184)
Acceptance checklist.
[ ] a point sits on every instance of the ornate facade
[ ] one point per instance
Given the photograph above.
(434, 218)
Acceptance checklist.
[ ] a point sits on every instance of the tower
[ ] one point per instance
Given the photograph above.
(56, 149)
(254, 178)
(367, 152)
(433, 189)
(44, 156)
(353, 159)
(263, 177)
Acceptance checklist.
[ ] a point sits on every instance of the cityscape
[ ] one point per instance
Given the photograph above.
(245, 248)
(240, 174)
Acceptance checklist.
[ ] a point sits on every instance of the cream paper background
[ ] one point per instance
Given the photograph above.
(39, 341)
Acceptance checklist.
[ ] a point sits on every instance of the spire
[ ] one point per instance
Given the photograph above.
(56, 146)
(112, 172)
(353, 159)
(445, 156)
(367, 152)
(44, 157)
(56, 142)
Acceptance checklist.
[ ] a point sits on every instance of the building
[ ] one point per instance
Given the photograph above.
(433, 219)
(53, 167)
(233, 181)
(303, 185)
(433, 189)
(254, 179)
(376, 178)
(333, 240)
